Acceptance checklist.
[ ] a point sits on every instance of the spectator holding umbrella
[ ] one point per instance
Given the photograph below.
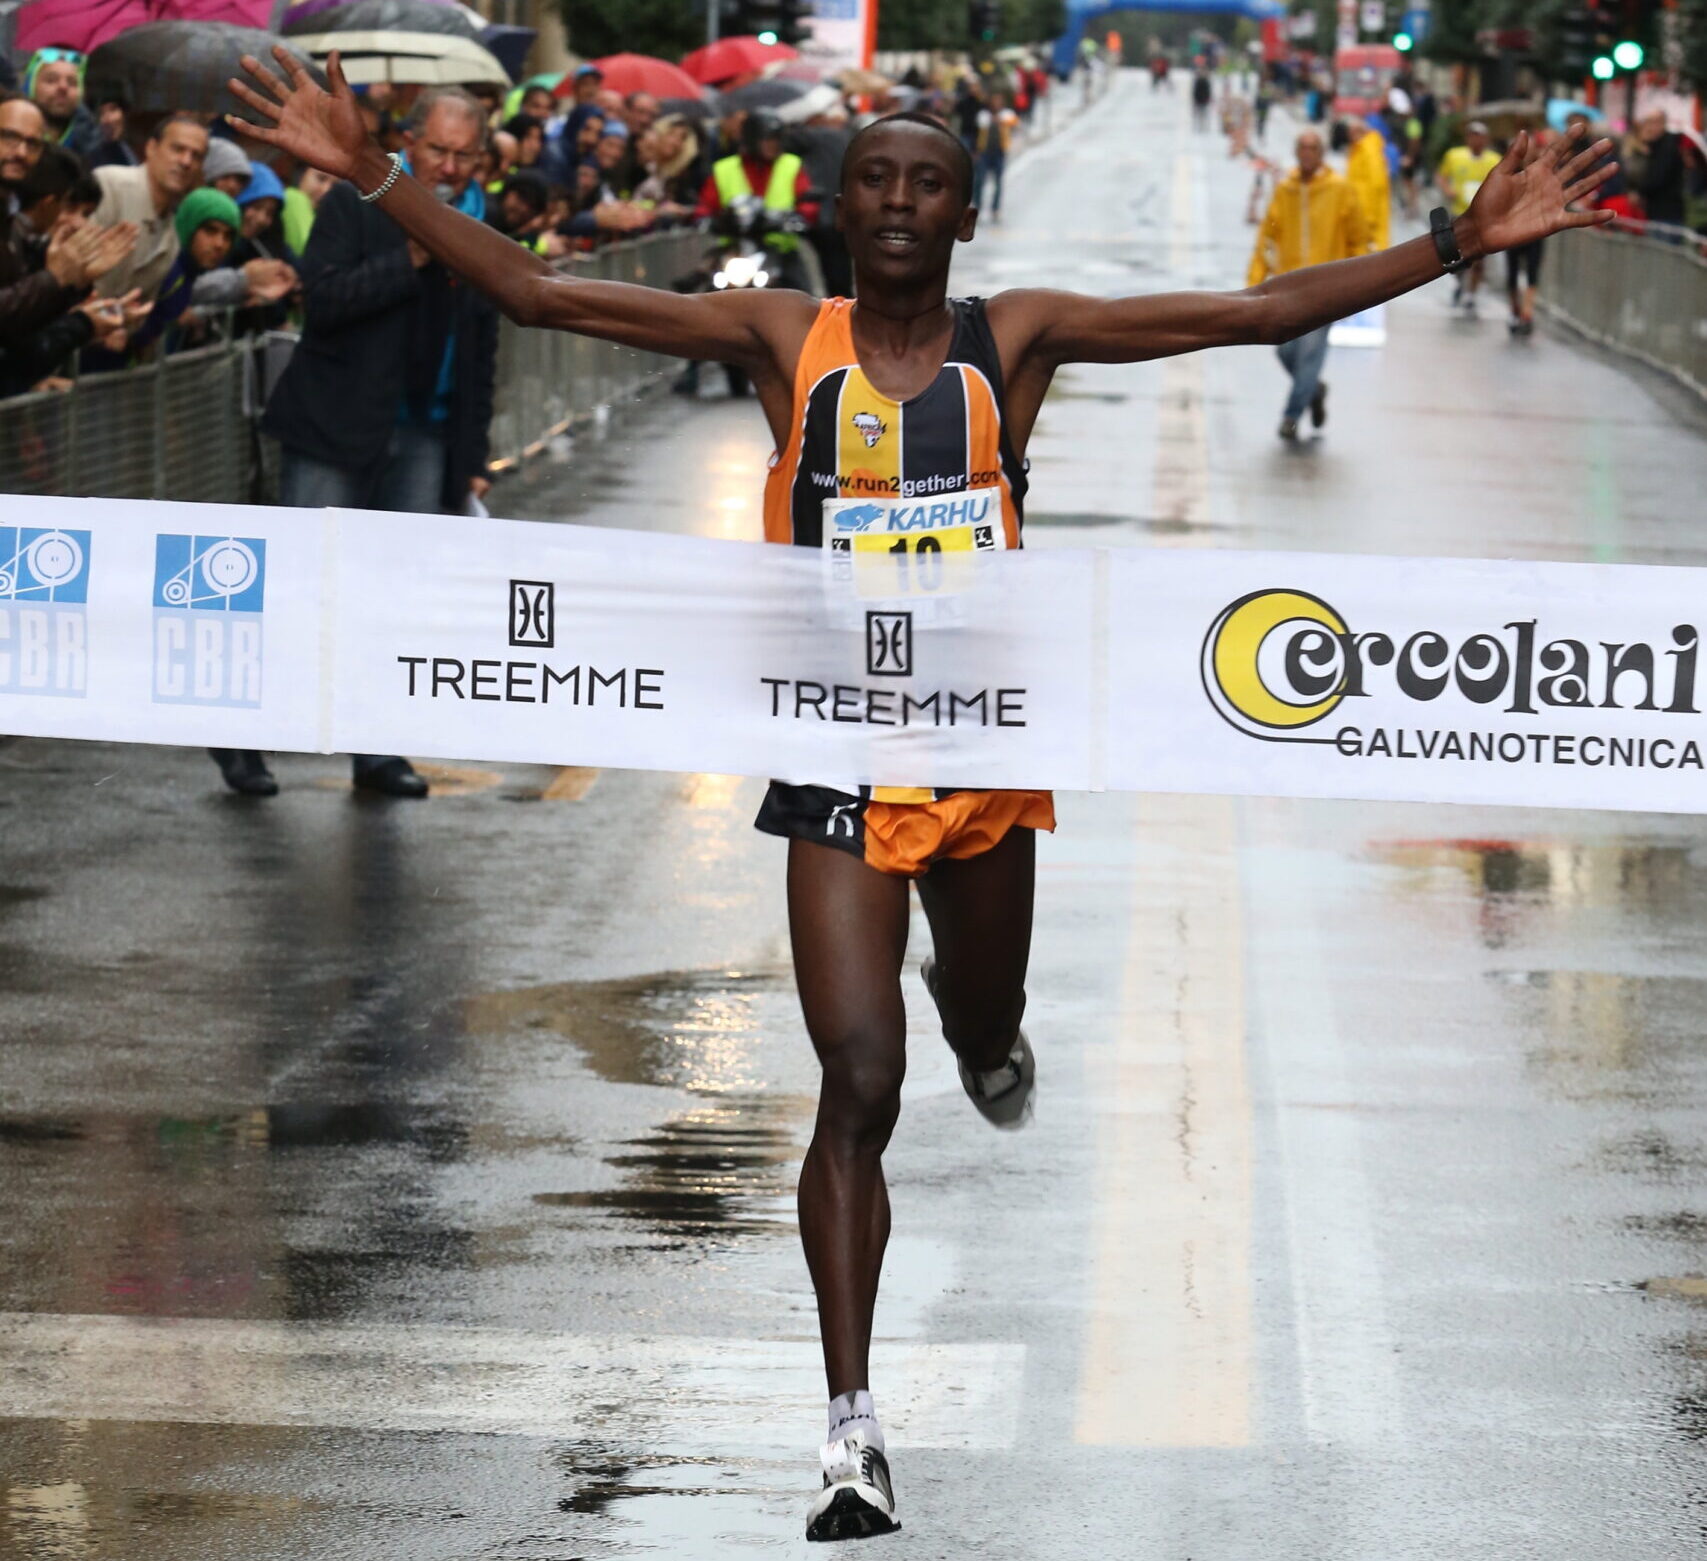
(53, 81)
(113, 149)
(1656, 171)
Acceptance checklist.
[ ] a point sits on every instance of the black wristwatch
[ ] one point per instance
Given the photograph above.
(1445, 240)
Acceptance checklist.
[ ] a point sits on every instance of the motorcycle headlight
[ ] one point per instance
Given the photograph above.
(721, 279)
(740, 269)
(761, 278)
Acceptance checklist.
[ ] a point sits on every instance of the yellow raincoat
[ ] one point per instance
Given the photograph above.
(1307, 226)
(1366, 168)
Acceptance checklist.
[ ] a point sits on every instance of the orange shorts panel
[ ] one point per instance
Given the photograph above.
(906, 837)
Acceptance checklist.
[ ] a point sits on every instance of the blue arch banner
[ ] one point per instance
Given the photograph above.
(1082, 13)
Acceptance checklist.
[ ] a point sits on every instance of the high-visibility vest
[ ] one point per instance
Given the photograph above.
(733, 184)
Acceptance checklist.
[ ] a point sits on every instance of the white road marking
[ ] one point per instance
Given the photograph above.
(1348, 1385)
(1168, 1353)
(663, 1393)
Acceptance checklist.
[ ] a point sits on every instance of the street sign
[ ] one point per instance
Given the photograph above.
(1373, 16)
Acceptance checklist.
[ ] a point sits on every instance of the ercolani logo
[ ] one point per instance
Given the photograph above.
(1277, 662)
(1247, 655)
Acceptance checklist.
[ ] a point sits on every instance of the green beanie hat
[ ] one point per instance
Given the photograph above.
(205, 205)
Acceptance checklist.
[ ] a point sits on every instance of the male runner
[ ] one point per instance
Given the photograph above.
(1459, 178)
(837, 381)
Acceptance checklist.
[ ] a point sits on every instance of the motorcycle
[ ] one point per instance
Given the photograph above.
(741, 260)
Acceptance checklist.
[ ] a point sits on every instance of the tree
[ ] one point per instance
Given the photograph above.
(667, 28)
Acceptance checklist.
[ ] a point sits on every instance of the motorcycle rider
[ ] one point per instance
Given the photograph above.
(761, 170)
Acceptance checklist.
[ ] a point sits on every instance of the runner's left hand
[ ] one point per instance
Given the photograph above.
(1529, 194)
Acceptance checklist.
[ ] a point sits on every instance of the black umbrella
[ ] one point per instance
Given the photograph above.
(385, 16)
(172, 67)
(763, 94)
(698, 109)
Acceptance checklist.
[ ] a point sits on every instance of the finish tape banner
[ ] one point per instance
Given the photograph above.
(885, 659)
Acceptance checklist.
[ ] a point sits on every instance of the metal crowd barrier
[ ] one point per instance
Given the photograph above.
(174, 429)
(1642, 293)
(548, 380)
(185, 427)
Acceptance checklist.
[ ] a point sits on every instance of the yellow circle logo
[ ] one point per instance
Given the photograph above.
(1274, 661)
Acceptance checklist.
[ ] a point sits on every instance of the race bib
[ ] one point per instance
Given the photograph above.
(909, 547)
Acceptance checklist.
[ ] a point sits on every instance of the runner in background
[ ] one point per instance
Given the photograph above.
(1459, 176)
(1366, 172)
(996, 124)
(942, 394)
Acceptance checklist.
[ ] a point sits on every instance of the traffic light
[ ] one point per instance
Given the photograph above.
(1603, 68)
(1577, 32)
(1403, 42)
(1627, 54)
(984, 20)
(773, 21)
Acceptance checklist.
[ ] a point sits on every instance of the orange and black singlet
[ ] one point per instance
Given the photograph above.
(847, 442)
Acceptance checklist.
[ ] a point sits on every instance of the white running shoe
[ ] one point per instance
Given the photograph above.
(1005, 1097)
(857, 1501)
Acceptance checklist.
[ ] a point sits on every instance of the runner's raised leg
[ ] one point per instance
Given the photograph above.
(980, 915)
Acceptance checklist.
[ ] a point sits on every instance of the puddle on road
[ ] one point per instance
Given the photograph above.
(1625, 875)
(695, 1030)
(726, 1166)
(722, 1170)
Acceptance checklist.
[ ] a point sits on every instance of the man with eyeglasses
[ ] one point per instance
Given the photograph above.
(387, 401)
(35, 291)
(54, 82)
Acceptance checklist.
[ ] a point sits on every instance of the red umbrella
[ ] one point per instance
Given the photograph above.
(81, 24)
(627, 73)
(731, 57)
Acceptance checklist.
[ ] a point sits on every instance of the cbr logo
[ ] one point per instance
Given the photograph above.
(870, 427)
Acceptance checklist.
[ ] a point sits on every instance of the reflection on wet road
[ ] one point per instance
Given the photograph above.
(418, 1182)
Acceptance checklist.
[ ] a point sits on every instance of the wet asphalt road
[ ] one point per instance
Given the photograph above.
(416, 1181)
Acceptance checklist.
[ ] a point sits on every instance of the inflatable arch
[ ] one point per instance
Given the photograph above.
(1082, 13)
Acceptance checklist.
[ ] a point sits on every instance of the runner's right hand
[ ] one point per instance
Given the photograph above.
(319, 127)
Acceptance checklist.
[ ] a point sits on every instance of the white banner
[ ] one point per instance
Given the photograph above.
(1284, 674)
(1410, 679)
(841, 36)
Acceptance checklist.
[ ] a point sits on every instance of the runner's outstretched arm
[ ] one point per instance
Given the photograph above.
(1525, 198)
(326, 129)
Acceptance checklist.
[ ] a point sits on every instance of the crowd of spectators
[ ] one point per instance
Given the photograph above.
(121, 242)
(112, 250)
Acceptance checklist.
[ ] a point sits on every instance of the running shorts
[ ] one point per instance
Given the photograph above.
(1525, 259)
(904, 838)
